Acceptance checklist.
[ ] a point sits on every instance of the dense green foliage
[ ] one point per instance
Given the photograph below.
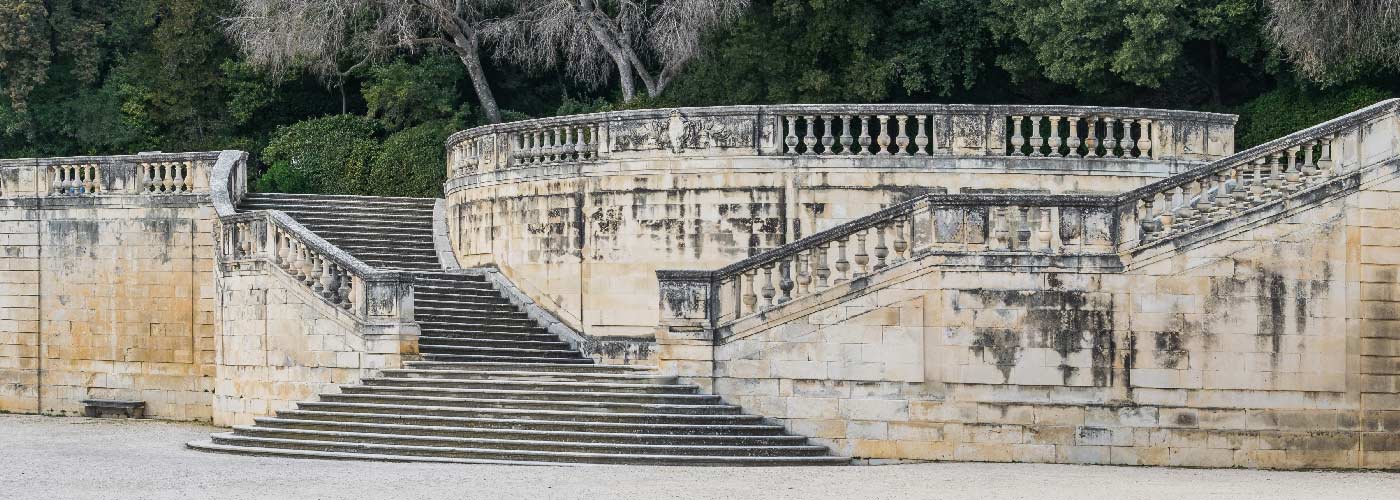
(97, 77)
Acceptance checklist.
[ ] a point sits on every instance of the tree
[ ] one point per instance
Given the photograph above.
(1332, 40)
(334, 38)
(650, 39)
(1093, 44)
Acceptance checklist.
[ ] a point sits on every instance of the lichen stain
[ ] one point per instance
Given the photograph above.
(1168, 350)
(1004, 345)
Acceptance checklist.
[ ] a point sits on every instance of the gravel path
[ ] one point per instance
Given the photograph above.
(75, 458)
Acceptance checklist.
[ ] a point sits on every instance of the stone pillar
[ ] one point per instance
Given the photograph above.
(685, 331)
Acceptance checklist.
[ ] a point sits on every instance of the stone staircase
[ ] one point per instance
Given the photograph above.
(494, 386)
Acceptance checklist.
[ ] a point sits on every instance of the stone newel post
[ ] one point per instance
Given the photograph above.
(685, 332)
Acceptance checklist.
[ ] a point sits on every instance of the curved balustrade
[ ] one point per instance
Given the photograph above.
(846, 130)
(1057, 225)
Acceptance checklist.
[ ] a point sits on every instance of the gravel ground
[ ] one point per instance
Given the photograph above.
(73, 458)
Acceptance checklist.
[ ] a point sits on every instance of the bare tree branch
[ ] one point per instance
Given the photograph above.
(1330, 38)
(320, 36)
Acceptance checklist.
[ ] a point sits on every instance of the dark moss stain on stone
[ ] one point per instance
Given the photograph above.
(1003, 346)
(1066, 322)
(1273, 292)
(1168, 350)
(1186, 419)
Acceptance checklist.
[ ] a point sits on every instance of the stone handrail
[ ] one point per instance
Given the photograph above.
(1252, 178)
(845, 130)
(151, 174)
(1035, 224)
(369, 295)
(931, 223)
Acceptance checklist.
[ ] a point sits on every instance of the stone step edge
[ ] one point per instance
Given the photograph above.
(535, 432)
(526, 421)
(529, 411)
(495, 441)
(210, 446)
(456, 390)
(568, 454)
(538, 402)
(522, 373)
(633, 368)
(590, 385)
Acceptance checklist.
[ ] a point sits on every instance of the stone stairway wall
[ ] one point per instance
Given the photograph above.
(1248, 330)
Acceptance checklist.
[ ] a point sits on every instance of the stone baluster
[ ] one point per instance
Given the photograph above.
(809, 136)
(1036, 140)
(791, 141)
(1055, 137)
(821, 269)
(1326, 165)
(1293, 178)
(862, 259)
(1016, 140)
(1144, 142)
(1256, 181)
(864, 139)
(1091, 137)
(769, 292)
(827, 139)
(1072, 140)
(1042, 232)
(843, 266)
(1191, 208)
(882, 251)
(1310, 169)
(902, 140)
(1110, 139)
(901, 243)
(804, 271)
(1146, 222)
(785, 282)
(570, 147)
(344, 291)
(846, 140)
(750, 298)
(1023, 229)
(328, 285)
(884, 140)
(920, 140)
(1275, 185)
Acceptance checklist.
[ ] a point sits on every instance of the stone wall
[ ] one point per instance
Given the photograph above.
(106, 297)
(580, 211)
(1266, 343)
(280, 343)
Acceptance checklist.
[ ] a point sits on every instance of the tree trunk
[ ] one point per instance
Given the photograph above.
(470, 55)
(624, 77)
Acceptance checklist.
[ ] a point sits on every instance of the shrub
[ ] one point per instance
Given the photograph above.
(412, 162)
(332, 155)
(1286, 110)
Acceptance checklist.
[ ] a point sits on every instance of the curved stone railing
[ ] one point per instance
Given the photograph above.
(1051, 226)
(369, 295)
(150, 174)
(845, 130)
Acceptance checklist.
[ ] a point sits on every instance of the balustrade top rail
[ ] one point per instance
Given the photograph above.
(143, 174)
(846, 130)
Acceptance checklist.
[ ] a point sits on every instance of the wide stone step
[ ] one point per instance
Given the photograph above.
(448, 333)
(589, 436)
(530, 404)
(453, 324)
(492, 343)
(534, 385)
(433, 301)
(531, 367)
(437, 349)
(295, 207)
(488, 443)
(536, 423)
(230, 442)
(358, 231)
(533, 376)
(481, 358)
(460, 311)
(388, 247)
(365, 220)
(341, 199)
(481, 318)
(535, 394)
(346, 405)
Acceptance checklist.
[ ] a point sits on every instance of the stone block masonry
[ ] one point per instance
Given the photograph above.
(110, 296)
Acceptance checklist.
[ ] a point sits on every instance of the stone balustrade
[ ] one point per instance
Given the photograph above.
(1011, 224)
(1254, 178)
(1076, 132)
(144, 174)
(271, 236)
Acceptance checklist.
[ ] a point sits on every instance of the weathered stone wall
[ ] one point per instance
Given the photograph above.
(584, 242)
(1268, 343)
(107, 297)
(281, 343)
